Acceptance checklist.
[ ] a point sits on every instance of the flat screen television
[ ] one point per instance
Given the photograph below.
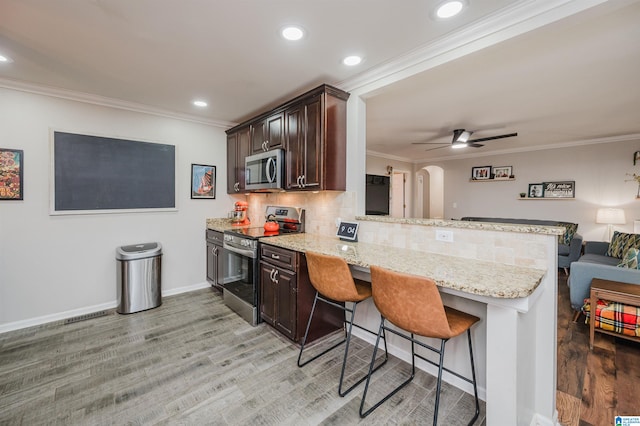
(377, 195)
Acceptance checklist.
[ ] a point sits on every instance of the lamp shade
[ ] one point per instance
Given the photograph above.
(610, 216)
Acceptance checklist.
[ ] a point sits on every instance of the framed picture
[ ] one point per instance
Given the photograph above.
(503, 172)
(481, 173)
(565, 189)
(536, 190)
(11, 174)
(203, 181)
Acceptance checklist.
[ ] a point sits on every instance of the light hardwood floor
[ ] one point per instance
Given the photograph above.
(593, 386)
(193, 361)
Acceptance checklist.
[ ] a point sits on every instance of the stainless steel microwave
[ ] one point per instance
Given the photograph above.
(263, 172)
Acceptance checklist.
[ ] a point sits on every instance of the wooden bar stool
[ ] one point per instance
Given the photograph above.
(413, 304)
(334, 284)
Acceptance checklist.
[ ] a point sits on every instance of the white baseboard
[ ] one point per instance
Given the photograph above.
(31, 322)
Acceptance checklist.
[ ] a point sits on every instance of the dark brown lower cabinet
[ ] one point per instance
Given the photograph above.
(286, 296)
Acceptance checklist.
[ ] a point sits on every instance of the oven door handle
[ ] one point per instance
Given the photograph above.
(247, 253)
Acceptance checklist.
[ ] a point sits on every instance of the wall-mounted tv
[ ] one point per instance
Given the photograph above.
(377, 195)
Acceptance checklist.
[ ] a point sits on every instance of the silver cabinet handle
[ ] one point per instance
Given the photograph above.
(302, 178)
(275, 276)
(275, 256)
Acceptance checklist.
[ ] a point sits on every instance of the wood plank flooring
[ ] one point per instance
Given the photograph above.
(193, 361)
(593, 387)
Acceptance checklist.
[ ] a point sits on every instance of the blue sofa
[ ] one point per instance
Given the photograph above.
(567, 253)
(596, 264)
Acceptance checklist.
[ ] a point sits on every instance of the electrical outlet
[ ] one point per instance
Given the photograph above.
(444, 235)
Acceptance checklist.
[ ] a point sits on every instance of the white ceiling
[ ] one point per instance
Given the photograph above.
(569, 81)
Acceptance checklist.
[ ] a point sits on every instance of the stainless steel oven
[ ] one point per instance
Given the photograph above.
(241, 288)
(240, 283)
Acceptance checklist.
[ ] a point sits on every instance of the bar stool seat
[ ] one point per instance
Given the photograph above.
(334, 284)
(413, 304)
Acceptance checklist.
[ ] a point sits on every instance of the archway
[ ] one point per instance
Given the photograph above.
(430, 192)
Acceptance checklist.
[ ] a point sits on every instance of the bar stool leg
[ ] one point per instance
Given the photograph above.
(371, 371)
(473, 376)
(439, 385)
(306, 334)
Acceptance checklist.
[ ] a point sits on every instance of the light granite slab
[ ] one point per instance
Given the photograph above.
(463, 274)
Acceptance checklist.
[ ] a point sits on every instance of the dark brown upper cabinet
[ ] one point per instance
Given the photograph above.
(311, 128)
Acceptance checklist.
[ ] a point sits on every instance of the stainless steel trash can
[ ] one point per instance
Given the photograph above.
(139, 269)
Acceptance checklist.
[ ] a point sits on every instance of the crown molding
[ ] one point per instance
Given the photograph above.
(471, 154)
(511, 21)
(107, 102)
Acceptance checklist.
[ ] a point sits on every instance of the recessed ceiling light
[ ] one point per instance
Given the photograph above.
(5, 59)
(200, 104)
(352, 60)
(449, 9)
(292, 33)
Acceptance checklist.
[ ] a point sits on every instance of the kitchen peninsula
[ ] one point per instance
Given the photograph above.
(504, 274)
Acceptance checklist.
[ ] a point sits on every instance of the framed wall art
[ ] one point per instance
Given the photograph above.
(536, 190)
(564, 189)
(481, 173)
(502, 172)
(11, 174)
(203, 181)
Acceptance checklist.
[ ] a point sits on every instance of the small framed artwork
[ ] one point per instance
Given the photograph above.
(502, 172)
(11, 174)
(536, 190)
(481, 173)
(565, 189)
(203, 181)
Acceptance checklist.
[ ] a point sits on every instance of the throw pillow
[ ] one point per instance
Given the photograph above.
(621, 242)
(630, 259)
(570, 230)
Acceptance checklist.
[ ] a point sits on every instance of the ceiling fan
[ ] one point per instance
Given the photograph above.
(461, 140)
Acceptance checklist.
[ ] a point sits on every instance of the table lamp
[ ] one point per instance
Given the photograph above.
(610, 217)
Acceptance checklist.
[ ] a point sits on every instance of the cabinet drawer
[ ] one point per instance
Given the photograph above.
(278, 256)
(215, 237)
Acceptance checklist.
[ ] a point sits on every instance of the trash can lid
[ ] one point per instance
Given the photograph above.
(138, 251)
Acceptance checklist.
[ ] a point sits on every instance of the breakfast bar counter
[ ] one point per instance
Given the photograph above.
(515, 340)
(466, 275)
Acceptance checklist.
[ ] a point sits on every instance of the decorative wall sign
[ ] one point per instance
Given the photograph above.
(481, 173)
(203, 181)
(536, 190)
(348, 231)
(565, 189)
(11, 174)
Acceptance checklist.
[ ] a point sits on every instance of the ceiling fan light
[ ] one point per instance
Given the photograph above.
(458, 145)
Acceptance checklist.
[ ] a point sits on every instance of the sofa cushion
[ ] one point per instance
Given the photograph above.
(599, 259)
(621, 242)
(570, 230)
(630, 259)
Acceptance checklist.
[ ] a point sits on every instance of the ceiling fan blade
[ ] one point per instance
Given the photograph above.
(430, 143)
(438, 147)
(490, 138)
(475, 145)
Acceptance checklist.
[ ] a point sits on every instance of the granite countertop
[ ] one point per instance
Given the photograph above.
(463, 224)
(467, 275)
(221, 224)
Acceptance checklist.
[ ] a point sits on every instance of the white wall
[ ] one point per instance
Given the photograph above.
(52, 265)
(599, 172)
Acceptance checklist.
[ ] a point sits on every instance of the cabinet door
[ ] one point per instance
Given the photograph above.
(232, 155)
(294, 146)
(267, 134)
(211, 263)
(286, 302)
(312, 153)
(267, 294)
(275, 131)
(243, 151)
